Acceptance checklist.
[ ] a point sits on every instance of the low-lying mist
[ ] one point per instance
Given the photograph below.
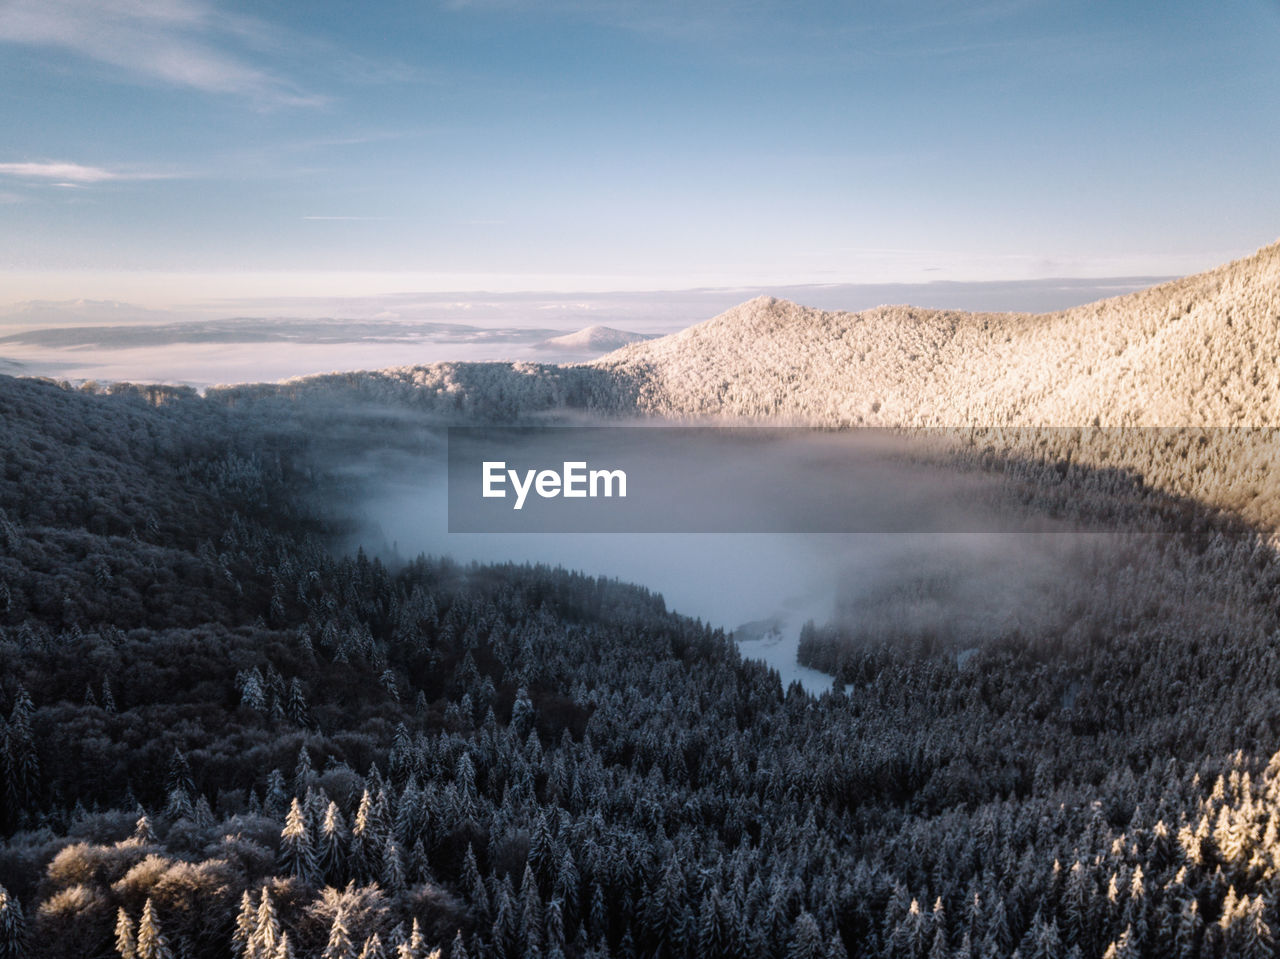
(956, 576)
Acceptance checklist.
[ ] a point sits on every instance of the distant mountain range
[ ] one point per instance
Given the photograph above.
(1200, 351)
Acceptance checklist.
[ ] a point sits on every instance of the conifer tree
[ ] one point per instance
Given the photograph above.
(12, 927)
(126, 943)
(340, 945)
(303, 773)
(276, 795)
(415, 946)
(266, 932)
(806, 939)
(180, 776)
(108, 700)
(333, 841)
(151, 943)
(24, 767)
(295, 707)
(1258, 940)
(713, 936)
(246, 923)
(1187, 934)
(393, 871)
(297, 852)
(362, 855)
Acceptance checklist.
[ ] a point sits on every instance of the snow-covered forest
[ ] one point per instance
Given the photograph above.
(223, 738)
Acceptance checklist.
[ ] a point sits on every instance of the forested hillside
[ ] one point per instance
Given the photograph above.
(223, 740)
(1202, 352)
(1199, 351)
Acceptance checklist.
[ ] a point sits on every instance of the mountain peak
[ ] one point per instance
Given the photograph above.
(594, 339)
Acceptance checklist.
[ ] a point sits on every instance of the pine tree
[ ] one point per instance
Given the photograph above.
(297, 852)
(567, 887)
(23, 773)
(836, 949)
(126, 943)
(393, 874)
(252, 694)
(246, 922)
(419, 869)
(522, 713)
(598, 917)
(474, 883)
(266, 932)
(303, 773)
(400, 754)
(180, 776)
(179, 805)
(1187, 934)
(108, 700)
(554, 926)
(1046, 942)
(339, 945)
(541, 857)
(806, 939)
(333, 841)
(273, 801)
(283, 950)
(151, 941)
(415, 947)
(1121, 948)
(12, 927)
(531, 918)
(362, 856)
(295, 707)
(1258, 941)
(373, 948)
(504, 931)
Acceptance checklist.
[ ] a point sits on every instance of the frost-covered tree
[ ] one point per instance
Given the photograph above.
(151, 943)
(339, 945)
(297, 851)
(12, 927)
(126, 942)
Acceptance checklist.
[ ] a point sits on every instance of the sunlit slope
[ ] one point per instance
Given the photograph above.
(1203, 350)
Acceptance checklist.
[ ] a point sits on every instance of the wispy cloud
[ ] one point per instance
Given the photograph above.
(74, 174)
(346, 218)
(186, 43)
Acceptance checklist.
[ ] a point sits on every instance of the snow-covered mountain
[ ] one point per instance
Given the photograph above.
(1203, 350)
(595, 340)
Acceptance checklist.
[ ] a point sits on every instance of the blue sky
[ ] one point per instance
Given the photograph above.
(162, 149)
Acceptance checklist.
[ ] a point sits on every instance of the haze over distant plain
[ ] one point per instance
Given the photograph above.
(266, 339)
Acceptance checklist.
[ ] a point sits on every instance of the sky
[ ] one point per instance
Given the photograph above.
(162, 151)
